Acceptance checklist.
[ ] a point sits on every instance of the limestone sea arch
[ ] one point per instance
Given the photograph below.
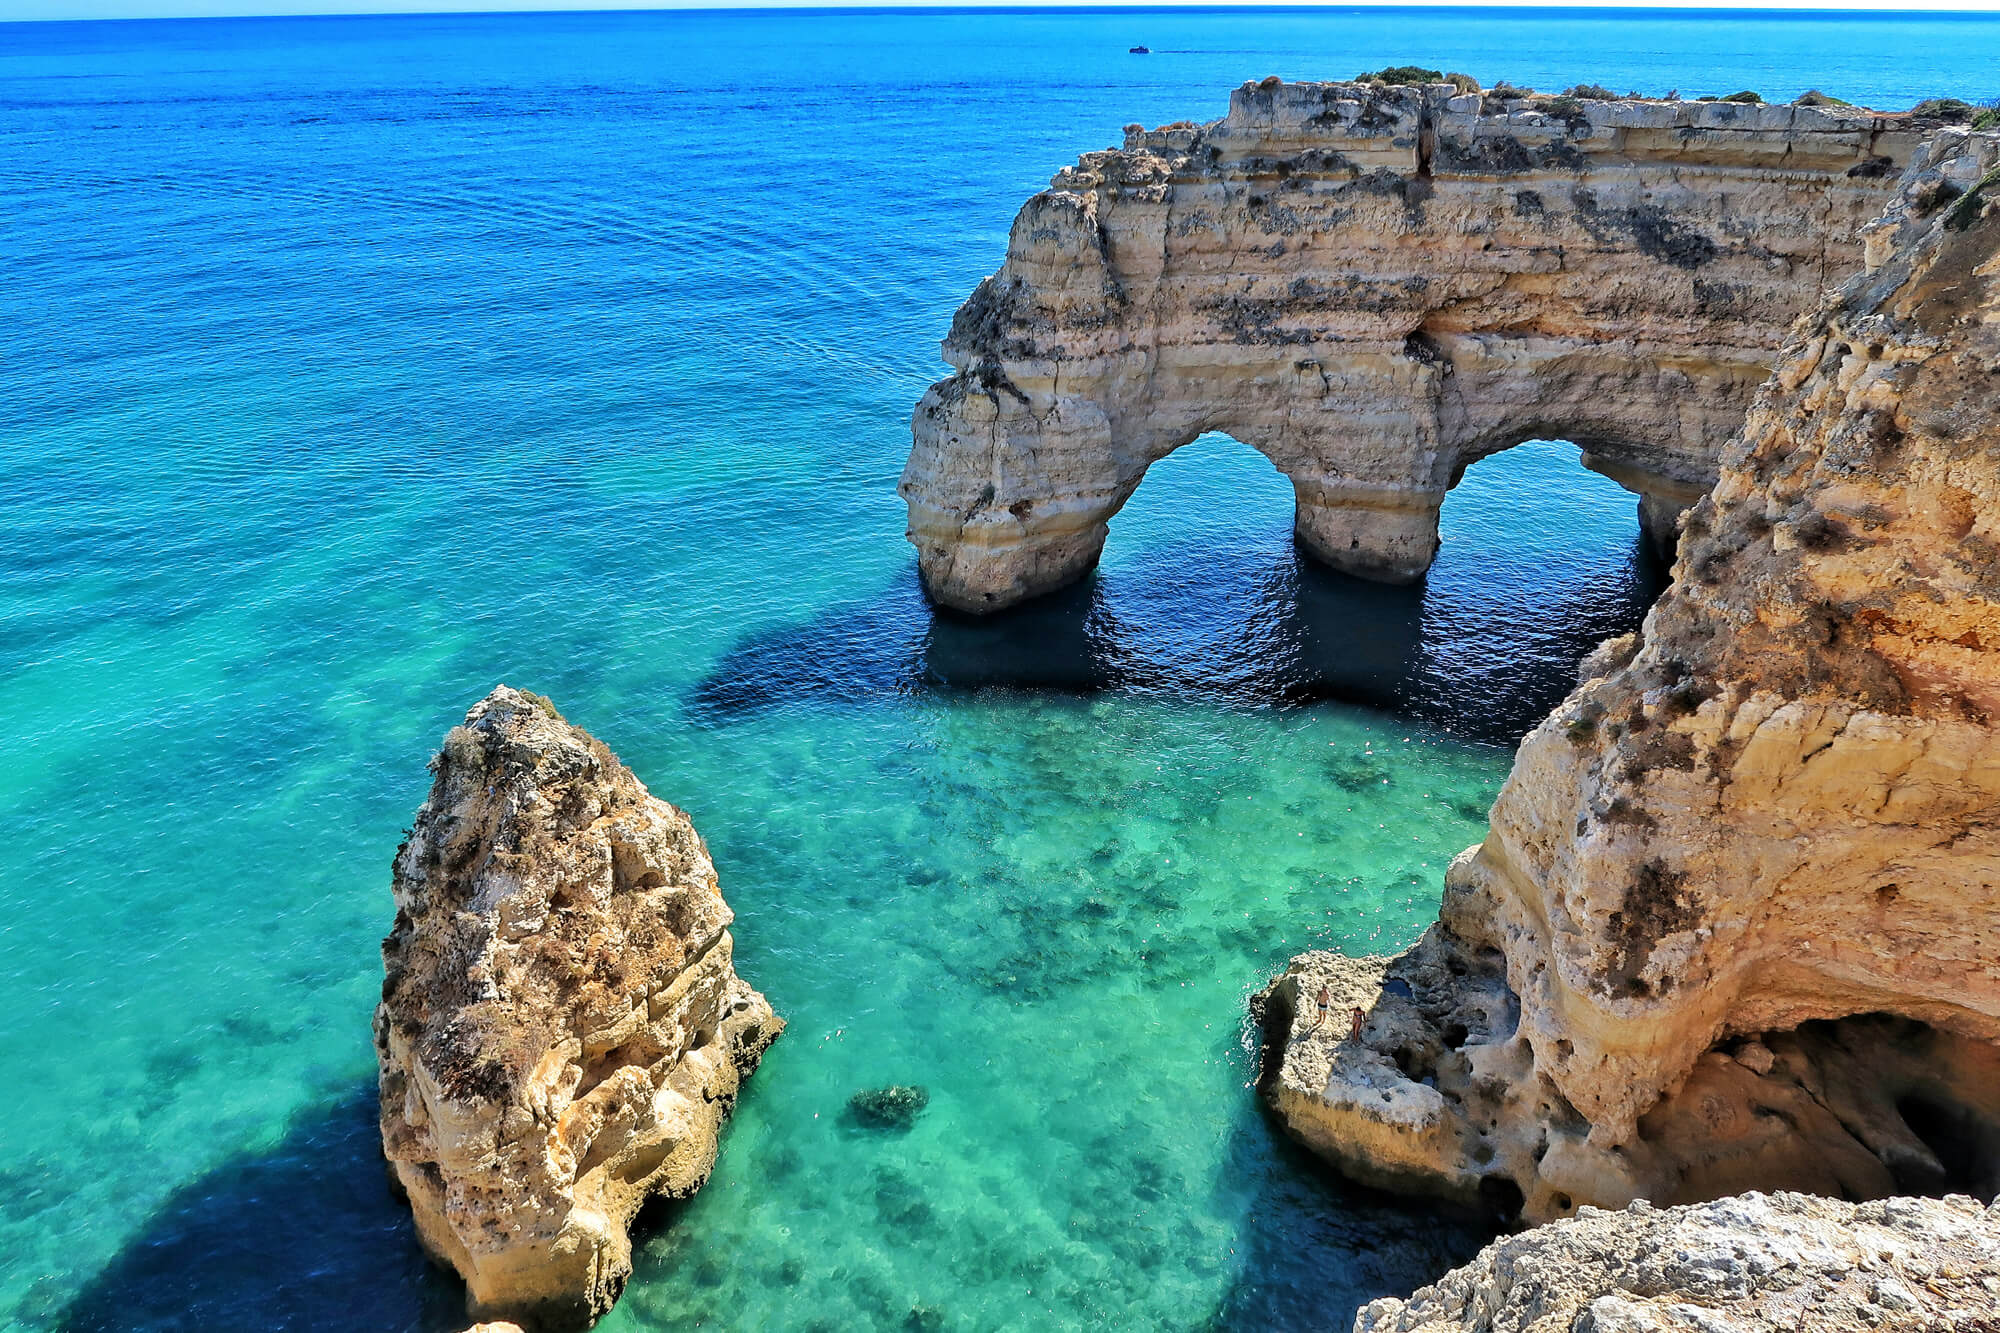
(1377, 286)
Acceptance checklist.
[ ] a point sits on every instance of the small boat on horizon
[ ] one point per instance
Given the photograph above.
(1140, 51)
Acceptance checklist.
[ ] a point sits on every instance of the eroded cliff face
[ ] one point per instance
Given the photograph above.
(562, 1031)
(1376, 287)
(1749, 1265)
(1736, 921)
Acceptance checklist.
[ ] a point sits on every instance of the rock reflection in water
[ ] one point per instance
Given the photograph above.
(1479, 655)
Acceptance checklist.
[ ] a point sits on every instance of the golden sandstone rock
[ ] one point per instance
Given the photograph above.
(1376, 287)
(1736, 920)
(562, 1032)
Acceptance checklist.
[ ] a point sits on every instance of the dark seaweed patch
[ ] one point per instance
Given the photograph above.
(892, 1108)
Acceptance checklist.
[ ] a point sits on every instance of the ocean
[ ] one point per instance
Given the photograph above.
(351, 366)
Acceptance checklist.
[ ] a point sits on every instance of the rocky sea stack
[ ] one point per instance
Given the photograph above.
(1735, 921)
(562, 1032)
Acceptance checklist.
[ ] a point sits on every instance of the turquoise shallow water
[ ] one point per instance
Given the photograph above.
(348, 367)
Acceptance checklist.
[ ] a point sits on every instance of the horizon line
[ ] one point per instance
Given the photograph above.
(486, 8)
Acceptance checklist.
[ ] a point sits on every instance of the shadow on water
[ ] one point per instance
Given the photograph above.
(1316, 1248)
(1233, 626)
(306, 1236)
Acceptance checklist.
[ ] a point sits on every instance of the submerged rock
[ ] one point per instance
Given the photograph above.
(562, 1031)
(1733, 924)
(1755, 1264)
(895, 1107)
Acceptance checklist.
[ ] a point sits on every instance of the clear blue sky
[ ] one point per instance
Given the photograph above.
(95, 9)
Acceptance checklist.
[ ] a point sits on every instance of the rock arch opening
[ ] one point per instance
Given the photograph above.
(1214, 499)
(1540, 558)
(1604, 467)
(1539, 561)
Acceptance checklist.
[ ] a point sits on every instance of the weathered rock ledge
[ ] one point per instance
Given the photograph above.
(1736, 920)
(1376, 287)
(562, 1031)
(1754, 1264)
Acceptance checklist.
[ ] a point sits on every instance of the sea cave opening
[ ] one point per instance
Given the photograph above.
(1859, 1107)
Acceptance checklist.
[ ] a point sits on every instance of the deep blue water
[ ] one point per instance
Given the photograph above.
(350, 366)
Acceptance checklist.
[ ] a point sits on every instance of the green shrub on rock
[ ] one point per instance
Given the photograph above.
(1402, 74)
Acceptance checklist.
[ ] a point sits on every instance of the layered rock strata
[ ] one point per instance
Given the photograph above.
(1736, 920)
(562, 1031)
(1754, 1264)
(1376, 287)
